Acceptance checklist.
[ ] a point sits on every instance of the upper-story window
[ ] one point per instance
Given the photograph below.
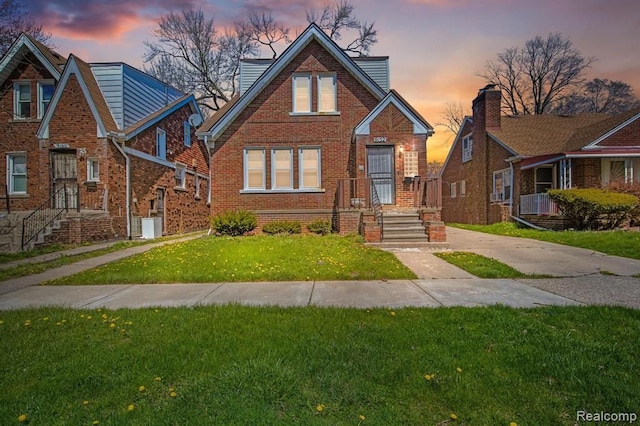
(22, 100)
(161, 144)
(187, 133)
(302, 93)
(467, 148)
(327, 94)
(45, 93)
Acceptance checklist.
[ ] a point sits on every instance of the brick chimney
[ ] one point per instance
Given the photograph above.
(486, 107)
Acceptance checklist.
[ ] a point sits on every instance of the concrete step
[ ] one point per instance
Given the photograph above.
(413, 236)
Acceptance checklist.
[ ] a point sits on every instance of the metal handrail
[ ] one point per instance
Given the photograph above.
(376, 205)
(42, 217)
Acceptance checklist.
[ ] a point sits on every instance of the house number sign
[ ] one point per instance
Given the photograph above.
(379, 139)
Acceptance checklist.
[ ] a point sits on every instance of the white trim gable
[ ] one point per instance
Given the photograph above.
(70, 68)
(595, 143)
(313, 32)
(23, 41)
(190, 99)
(420, 127)
(467, 120)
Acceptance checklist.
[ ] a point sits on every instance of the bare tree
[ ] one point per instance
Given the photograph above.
(263, 29)
(191, 55)
(538, 74)
(13, 21)
(599, 95)
(453, 116)
(340, 17)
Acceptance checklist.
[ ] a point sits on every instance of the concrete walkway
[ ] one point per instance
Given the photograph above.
(438, 283)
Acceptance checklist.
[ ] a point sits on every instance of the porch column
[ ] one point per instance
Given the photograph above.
(565, 174)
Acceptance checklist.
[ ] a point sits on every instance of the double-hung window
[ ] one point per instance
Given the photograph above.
(93, 170)
(254, 169)
(309, 170)
(467, 148)
(302, 93)
(17, 173)
(282, 168)
(161, 144)
(501, 186)
(327, 94)
(22, 100)
(45, 93)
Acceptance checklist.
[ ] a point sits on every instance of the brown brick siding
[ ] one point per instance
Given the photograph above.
(627, 136)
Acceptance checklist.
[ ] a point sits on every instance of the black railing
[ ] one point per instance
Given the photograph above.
(44, 215)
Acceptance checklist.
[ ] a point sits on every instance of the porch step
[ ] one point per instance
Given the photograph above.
(403, 227)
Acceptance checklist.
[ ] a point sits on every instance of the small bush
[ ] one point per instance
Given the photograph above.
(282, 227)
(320, 227)
(234, 223)
(593, 208)
(628, 188)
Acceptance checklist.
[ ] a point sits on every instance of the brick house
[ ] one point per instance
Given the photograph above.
(502, 166)
(316, 134)
(112, 146)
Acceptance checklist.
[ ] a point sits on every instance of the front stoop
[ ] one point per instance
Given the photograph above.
(403, 226)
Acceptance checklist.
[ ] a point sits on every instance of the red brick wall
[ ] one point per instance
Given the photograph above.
(627, 136)
(19, 135)
(267, 123)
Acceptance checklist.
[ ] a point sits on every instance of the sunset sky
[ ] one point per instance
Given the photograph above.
(436, 47)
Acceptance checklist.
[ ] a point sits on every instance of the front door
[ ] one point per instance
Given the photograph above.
(380, 169)
(64, 174)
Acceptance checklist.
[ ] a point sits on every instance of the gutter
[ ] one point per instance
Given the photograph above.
(113, 139)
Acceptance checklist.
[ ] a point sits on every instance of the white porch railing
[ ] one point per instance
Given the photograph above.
(538, 204)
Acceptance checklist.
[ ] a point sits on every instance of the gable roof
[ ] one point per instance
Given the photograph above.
(598, 132)
(162, 113)
(92, 93)
(467, 120)
(533, 135)
(420, 125)
(51, 60)
(311, 33)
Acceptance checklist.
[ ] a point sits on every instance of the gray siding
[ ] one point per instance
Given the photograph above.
(250, 71)
(131, 94)
(376, 67)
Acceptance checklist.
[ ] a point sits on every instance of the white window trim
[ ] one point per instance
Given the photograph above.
(10, 174)
(463, 188)
(159, 134)
(452, 189)
(181, 176)
(16, 98)
(335, 91)
(273, 169)
(631, 172)
(293, 90)
(246, 170)
(187, 133)
(467, 151)
(504, 195)
(301, 168)
(41, 109)
(93, 165)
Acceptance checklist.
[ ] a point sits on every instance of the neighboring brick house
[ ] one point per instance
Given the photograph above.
(308, 134)
(114, 145)
(502, 166)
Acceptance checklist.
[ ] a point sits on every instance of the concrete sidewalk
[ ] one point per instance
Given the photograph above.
(438, 284)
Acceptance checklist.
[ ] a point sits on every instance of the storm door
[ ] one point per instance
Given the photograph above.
(380, 169)
(64, 177)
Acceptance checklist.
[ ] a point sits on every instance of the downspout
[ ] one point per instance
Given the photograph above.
(511, 190)
(114, 137)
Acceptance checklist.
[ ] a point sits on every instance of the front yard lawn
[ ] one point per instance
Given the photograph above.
(483, 267)
(617, 243)
(244, 259)
(318, 366)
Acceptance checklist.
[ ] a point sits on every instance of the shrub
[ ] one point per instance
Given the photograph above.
(320, 227)
(282, 227)
(628, 188)
(593, 208)
(234, 222)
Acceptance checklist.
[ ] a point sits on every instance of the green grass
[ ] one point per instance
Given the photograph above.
(617, 243)
(243, 259)
(10, 257)
(240, 365)
(480, 266)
